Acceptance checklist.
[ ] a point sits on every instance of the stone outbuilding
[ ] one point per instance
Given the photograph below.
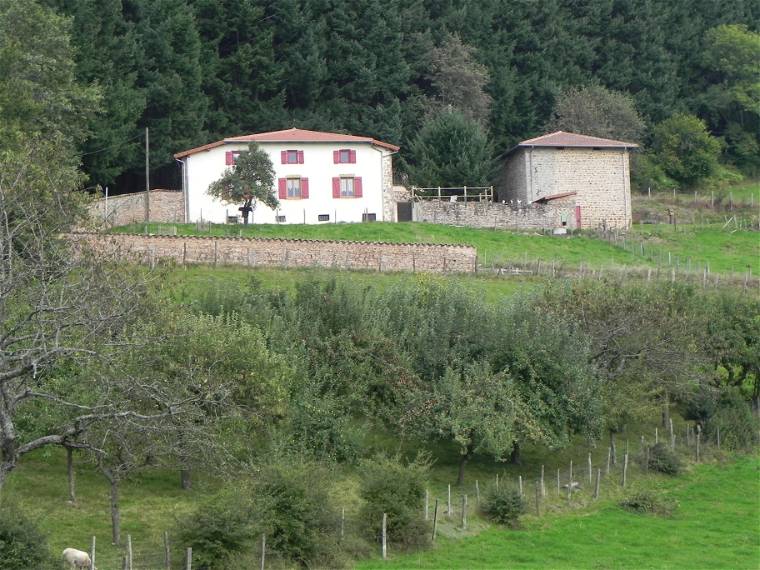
(591, 174)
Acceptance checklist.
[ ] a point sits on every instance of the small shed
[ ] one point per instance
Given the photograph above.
(591, 173)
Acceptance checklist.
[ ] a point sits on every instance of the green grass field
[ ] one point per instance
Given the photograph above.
(724, 250)
(717, 525)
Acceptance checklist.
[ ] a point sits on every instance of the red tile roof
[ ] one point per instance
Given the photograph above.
(291, 135)
(561, 138)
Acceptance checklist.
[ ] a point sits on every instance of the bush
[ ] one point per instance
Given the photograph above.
(503, 505)
(663, 460)
(398, 490)
(649, 502)
(218, 530)
(734, 418)
(22, 545)
(288, 502)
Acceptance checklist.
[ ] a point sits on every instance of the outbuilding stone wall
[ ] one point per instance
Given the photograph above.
(166, 206)
(494, 215)
(372, 256)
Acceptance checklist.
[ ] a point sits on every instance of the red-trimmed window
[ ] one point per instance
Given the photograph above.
(347, 187)
(293, 188)
(291, 157)
(344, 156)
(231, 156)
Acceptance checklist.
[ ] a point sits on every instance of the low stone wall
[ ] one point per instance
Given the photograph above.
(494, 215)
(428, 258)
(165, 206)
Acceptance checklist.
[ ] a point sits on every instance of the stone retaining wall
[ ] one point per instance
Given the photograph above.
(373, 256)
(494, 215)
(167, 206)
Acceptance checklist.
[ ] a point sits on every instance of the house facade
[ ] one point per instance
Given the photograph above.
(320, 177)
(591, 174)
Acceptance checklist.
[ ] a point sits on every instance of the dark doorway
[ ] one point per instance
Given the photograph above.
(404, 211)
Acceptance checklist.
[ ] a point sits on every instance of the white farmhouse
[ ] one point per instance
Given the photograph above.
(320, 178)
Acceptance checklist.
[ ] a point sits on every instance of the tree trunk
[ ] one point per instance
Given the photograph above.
(463, 459)
(70, 475)
(612, 447)
(115, 512)
(514, 457)
(185, 479)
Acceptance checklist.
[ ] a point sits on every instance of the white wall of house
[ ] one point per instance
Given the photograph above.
(204, 167)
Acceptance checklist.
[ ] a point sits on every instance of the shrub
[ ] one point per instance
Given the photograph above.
(288, 502)
(503, 505)
(389, 486)
(217, 530)
(734, 418)
(22, 545)
(663, 460)
(649, 502)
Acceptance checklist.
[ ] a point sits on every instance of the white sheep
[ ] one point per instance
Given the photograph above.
(74, 558)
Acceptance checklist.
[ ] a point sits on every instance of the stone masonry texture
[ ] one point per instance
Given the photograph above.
(371, 256)
(494, 215)
(166, 206)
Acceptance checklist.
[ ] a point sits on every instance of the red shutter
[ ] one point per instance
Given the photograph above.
(304, 188)
(228, 158)
(358, 187)
(284, 157)
(336, 187)
(282, 186)
(352, 156)
(336, 157)
(300, 157)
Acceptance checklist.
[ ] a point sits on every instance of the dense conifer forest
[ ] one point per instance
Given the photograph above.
(199, 70)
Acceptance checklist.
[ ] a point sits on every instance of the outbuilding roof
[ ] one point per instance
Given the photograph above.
(291, 135)
(561, 138)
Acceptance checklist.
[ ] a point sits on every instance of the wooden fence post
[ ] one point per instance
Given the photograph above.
(92, 552)
(427, 504)
(167, 552)
(384, 537)
(263, 550)
(571, 471)
(558, 486)
(477, 493)
(718, 435)
(435, 519)
(543, 485)
(538, 498)
(598, 480)
(129, 551)
(343, 522)
(464, 512)
(189, 558)
(609, 460)
(672, 436)
(519, 485)
(625, 469)
(448, 503)
(699, 435)
(497, 482)
(590, 471)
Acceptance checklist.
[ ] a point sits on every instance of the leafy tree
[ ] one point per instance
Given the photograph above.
(451, 150)
(40, 96)
(22, 545)
(249, 181)
(477, 410)
(597, 111)
(684, 149)
(458, 80)
(732, 101)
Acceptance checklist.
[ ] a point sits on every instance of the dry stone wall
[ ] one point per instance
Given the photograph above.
(165, 206)
(372, 256)
(494, 215)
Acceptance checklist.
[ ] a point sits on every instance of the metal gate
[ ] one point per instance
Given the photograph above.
(404, 211)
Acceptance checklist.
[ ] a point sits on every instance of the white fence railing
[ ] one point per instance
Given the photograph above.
(454, 194)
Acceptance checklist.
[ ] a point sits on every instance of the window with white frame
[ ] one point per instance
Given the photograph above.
(346, 186)
(294, 187)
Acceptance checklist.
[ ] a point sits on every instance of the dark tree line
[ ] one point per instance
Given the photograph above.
(197, 70)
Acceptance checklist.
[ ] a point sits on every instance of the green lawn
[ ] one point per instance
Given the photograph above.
(185, 284)
(724, 249)
(717, 525)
